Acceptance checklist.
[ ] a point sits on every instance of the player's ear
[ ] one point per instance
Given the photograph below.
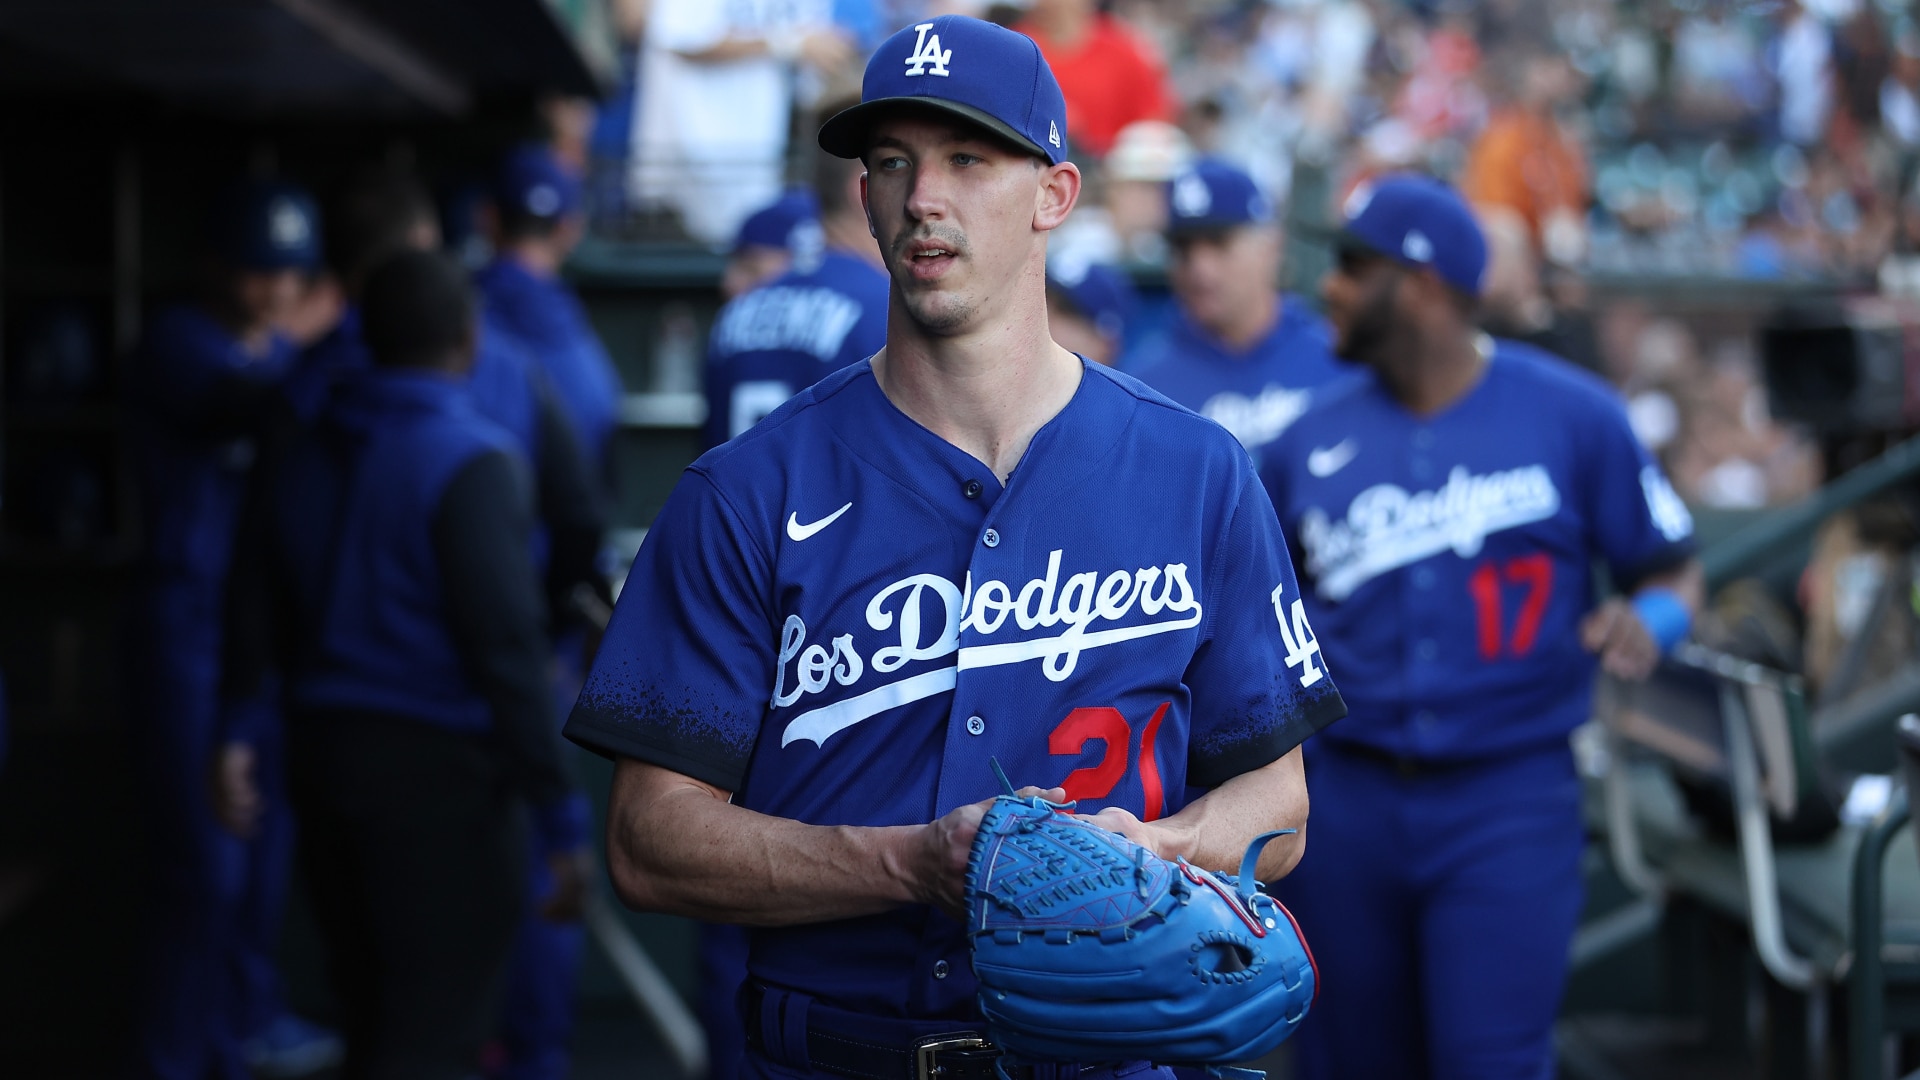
(1059, 190)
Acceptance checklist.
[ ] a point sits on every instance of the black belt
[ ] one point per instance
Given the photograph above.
(873, 1048)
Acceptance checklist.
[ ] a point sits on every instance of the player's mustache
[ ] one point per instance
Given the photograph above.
(952, 239)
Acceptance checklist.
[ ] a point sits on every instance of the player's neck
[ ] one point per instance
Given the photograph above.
(987, 392)
(1448, 371)
(848, 233)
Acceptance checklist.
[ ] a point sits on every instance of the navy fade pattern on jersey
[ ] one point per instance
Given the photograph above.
(786, 335)
(1488, 515)
(1254, 393)
(850, 616)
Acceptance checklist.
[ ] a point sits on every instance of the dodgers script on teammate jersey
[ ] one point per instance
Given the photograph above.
(1486, 516)
(854, 617)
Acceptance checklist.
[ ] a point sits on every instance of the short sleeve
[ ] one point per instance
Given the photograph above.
(687, 26)
(1260, 685)
(1638, 522)
(681, 677)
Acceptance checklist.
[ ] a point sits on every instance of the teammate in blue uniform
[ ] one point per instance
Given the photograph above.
(973, 546)
(385, 577)
(378, 215)
(208, 379)
(769, 240)
(538, 221)
(1088, 307)
(1237, 351)
(1446, 512)
(828, 311)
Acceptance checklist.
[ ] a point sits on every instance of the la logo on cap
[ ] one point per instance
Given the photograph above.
(286, 225)
(1191, 196)
(927, 59)
(1417, 247)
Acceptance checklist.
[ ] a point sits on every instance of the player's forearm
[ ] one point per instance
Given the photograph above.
(677, 846)
(1213, 831)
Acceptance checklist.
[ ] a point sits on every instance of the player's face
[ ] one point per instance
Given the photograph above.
(1360, 295)
(1219, 275)
(264, 297)
(955, 212)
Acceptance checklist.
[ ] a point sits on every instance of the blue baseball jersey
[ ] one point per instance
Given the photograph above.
(1448, 559)
(771, 343)
(543, 314)
(841, 617)
(1253, 393)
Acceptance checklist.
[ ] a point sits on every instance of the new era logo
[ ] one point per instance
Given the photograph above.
(1053, 133)
(927, 59)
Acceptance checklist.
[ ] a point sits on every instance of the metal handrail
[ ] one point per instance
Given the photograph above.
(1866, 981)
(1740, 553)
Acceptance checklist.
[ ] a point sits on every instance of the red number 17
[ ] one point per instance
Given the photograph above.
(1536, 573)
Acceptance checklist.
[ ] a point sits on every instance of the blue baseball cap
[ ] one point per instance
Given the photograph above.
(969, 68)
(267, 225)
(1420, 222)
(1102, 293)
(533, 182)
(773, 226)
(1211, 195)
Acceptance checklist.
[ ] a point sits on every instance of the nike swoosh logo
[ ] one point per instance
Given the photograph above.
(1326, 462)
(798, 532)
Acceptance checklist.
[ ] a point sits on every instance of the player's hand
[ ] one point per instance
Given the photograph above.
(1615, 632)
(1119, 819)
(572, 871)
(938, 875)
(237, 802)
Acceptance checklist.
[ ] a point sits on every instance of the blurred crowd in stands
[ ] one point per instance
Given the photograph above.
(1602, 141)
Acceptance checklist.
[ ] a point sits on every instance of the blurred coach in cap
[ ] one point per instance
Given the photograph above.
(768, 241)
(538, 220)
(1445, 511)
(208, 388)
(827, 311)
(385, 578)
(1238, 352)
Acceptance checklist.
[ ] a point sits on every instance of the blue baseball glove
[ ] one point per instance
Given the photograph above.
(1091, 948)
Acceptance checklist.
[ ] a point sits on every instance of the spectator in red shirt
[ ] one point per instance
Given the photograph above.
(1109, 75)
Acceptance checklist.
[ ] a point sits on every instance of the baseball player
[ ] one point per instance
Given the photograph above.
(385, 579)
(538, 220)
(972, 546)
(379, 215)
(769, 239)
(1446, 512)
(208, 390)
(827, 311)
(1237, 351)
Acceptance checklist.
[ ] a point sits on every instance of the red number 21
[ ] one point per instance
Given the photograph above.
(1105, 723)
(1536, 573)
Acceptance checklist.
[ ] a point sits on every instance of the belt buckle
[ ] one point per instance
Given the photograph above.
(926, 1052)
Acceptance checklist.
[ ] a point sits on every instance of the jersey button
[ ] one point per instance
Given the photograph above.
(940, 969)
(991, 539)
(1427, 649)
(971, 489)
(1424, 719)
(1423, 578)
(975, 725)
(1423, 438)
